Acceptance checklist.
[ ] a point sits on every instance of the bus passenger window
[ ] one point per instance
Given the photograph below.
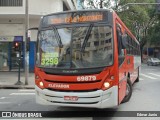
(120, 50)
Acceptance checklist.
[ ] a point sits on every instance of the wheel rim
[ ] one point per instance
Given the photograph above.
(127, 89)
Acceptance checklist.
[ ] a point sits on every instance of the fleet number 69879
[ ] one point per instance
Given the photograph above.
(86, 78)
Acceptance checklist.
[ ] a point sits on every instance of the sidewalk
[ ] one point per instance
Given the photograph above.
(9, 79)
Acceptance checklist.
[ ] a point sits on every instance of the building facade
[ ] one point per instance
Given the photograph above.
(12, 28)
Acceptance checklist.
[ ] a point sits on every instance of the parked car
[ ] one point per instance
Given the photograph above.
(153, 61)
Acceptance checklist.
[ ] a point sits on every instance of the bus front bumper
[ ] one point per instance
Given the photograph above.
(94, 99)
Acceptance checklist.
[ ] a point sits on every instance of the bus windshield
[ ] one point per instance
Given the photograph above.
(76, 47)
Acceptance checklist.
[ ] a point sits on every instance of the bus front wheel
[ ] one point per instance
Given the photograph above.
(128, 91)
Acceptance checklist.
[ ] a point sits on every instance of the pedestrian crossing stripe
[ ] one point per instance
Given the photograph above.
(22, 94)
(141, 79)
(154, 74)
(25, 90)
(153, 78)
(5, 102)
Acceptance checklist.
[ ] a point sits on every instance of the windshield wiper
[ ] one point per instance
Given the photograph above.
(58, 37)
(86, 38)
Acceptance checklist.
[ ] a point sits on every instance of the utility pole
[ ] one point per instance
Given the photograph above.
(101, 4)
(25, 45)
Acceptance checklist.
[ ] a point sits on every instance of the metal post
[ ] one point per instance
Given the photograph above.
(147, 50)
(116, 3)
(101, 4)
(25, 46)
(19, 72)
(19, 67)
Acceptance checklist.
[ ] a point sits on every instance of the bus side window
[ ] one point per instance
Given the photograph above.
(120, 50)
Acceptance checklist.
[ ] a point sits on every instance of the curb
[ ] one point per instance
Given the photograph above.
(16, 87)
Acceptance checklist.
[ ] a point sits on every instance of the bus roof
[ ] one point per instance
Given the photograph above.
(84, 10)
(78, 16)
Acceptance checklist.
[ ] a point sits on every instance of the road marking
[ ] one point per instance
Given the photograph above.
(141, 79)
(26, 90)
(5, 102)
(154, 74)
(148, 76)
(22, 94)
(2, 98)
(150, 69)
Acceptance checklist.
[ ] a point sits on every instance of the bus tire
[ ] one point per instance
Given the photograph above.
(137, 80)
(128, 91)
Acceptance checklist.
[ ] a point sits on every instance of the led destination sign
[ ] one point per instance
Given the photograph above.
(75, 17)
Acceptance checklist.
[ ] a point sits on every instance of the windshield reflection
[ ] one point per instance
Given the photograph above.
(97, 47)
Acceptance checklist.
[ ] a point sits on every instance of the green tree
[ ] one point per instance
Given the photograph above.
(154, 32)
(140, 19)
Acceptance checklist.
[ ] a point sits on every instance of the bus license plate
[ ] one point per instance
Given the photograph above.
(71, 98)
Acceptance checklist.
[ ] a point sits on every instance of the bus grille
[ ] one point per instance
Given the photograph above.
(72, 90)
(73, 82)
(74, 102)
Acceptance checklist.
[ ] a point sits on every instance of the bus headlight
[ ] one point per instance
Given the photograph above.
(106, 85)
(41, 84)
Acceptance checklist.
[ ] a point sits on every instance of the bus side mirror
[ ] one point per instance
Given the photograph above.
(124, 41)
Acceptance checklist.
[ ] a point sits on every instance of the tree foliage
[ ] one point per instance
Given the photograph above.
(154, 32)
(94, 4)
(154, 36)
(142, 20)
(136, 15)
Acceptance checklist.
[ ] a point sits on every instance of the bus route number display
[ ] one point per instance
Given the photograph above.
(49, 59)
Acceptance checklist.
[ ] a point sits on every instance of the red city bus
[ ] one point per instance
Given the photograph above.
(86, 58)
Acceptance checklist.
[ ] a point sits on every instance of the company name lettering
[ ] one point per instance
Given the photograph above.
(58, 85)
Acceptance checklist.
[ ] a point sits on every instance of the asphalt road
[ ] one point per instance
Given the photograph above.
(145, 97)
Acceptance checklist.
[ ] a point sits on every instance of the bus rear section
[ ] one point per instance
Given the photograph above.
(77, 60)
